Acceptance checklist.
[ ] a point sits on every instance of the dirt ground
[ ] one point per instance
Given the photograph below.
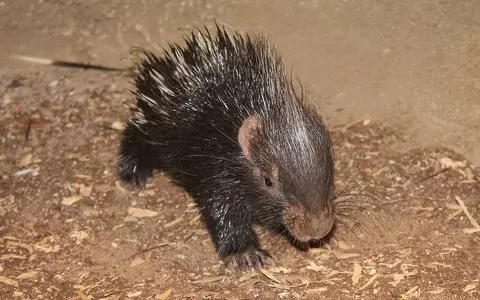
(398, 82)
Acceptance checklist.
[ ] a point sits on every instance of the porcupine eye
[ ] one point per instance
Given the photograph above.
(268, 182)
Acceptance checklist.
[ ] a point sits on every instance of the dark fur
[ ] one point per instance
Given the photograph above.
(190, 132)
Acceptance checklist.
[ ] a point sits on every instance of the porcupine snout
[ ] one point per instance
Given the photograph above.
(307, 225)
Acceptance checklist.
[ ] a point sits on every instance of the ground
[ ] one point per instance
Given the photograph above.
(398, 83)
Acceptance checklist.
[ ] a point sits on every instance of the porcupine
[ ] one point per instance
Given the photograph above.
(221, 117)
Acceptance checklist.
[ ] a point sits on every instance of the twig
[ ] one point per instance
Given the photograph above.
(467, 213)
(427, 177)
(111, 294)
(29, 127)
(146, 250)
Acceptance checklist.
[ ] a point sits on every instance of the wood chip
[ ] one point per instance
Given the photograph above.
(25, 161)
(210, 279)
(270, 275)
(471, 230)
(8, 281)
(27, 275)
(78, 235)
(247, 276)
(118, 185)
(467, 213)
(86, 191)
(314, 267)
(357, 272)
(469, 288)
(164, 295)
(28, 247)
(450, 163)
(341, 255)
(134, 294)
(369, 282)
(174, 222)
(436, 291)
(141, 213)
(136, 262)
(440, 264)
(82, 295)
(411, 291)
(70, 200)
(11, 256)
(117, 125)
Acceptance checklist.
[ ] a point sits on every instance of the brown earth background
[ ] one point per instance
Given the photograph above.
(397, 81)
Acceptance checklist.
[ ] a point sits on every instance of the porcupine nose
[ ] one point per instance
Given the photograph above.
(320, 225)
(310, 225)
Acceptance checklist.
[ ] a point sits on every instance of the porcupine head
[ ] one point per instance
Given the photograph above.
(265, 151)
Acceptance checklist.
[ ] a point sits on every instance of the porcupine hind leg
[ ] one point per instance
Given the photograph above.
(136, 160)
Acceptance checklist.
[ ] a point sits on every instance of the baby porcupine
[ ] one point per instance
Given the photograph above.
(221, 118)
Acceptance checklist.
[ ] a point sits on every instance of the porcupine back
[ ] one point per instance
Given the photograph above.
(192, 102)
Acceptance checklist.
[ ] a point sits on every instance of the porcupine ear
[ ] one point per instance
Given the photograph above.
(248, 132)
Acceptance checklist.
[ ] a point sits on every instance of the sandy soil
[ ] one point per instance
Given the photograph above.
(397, 81)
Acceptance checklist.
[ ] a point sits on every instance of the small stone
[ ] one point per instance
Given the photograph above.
(53, 84)
(117, 125)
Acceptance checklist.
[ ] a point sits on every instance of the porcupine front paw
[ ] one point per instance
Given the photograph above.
(250, 259)
(131, 171)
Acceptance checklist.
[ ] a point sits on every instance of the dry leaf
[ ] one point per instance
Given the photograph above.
(357, 272)
(164, 295)
(86, 191)
(141, 213)
(137, 261)
(27, 275)
(70, 200)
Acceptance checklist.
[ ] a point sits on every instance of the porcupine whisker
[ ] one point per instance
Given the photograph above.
(348, 228)
(346, 206)
(358, 224)
(350, 180)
